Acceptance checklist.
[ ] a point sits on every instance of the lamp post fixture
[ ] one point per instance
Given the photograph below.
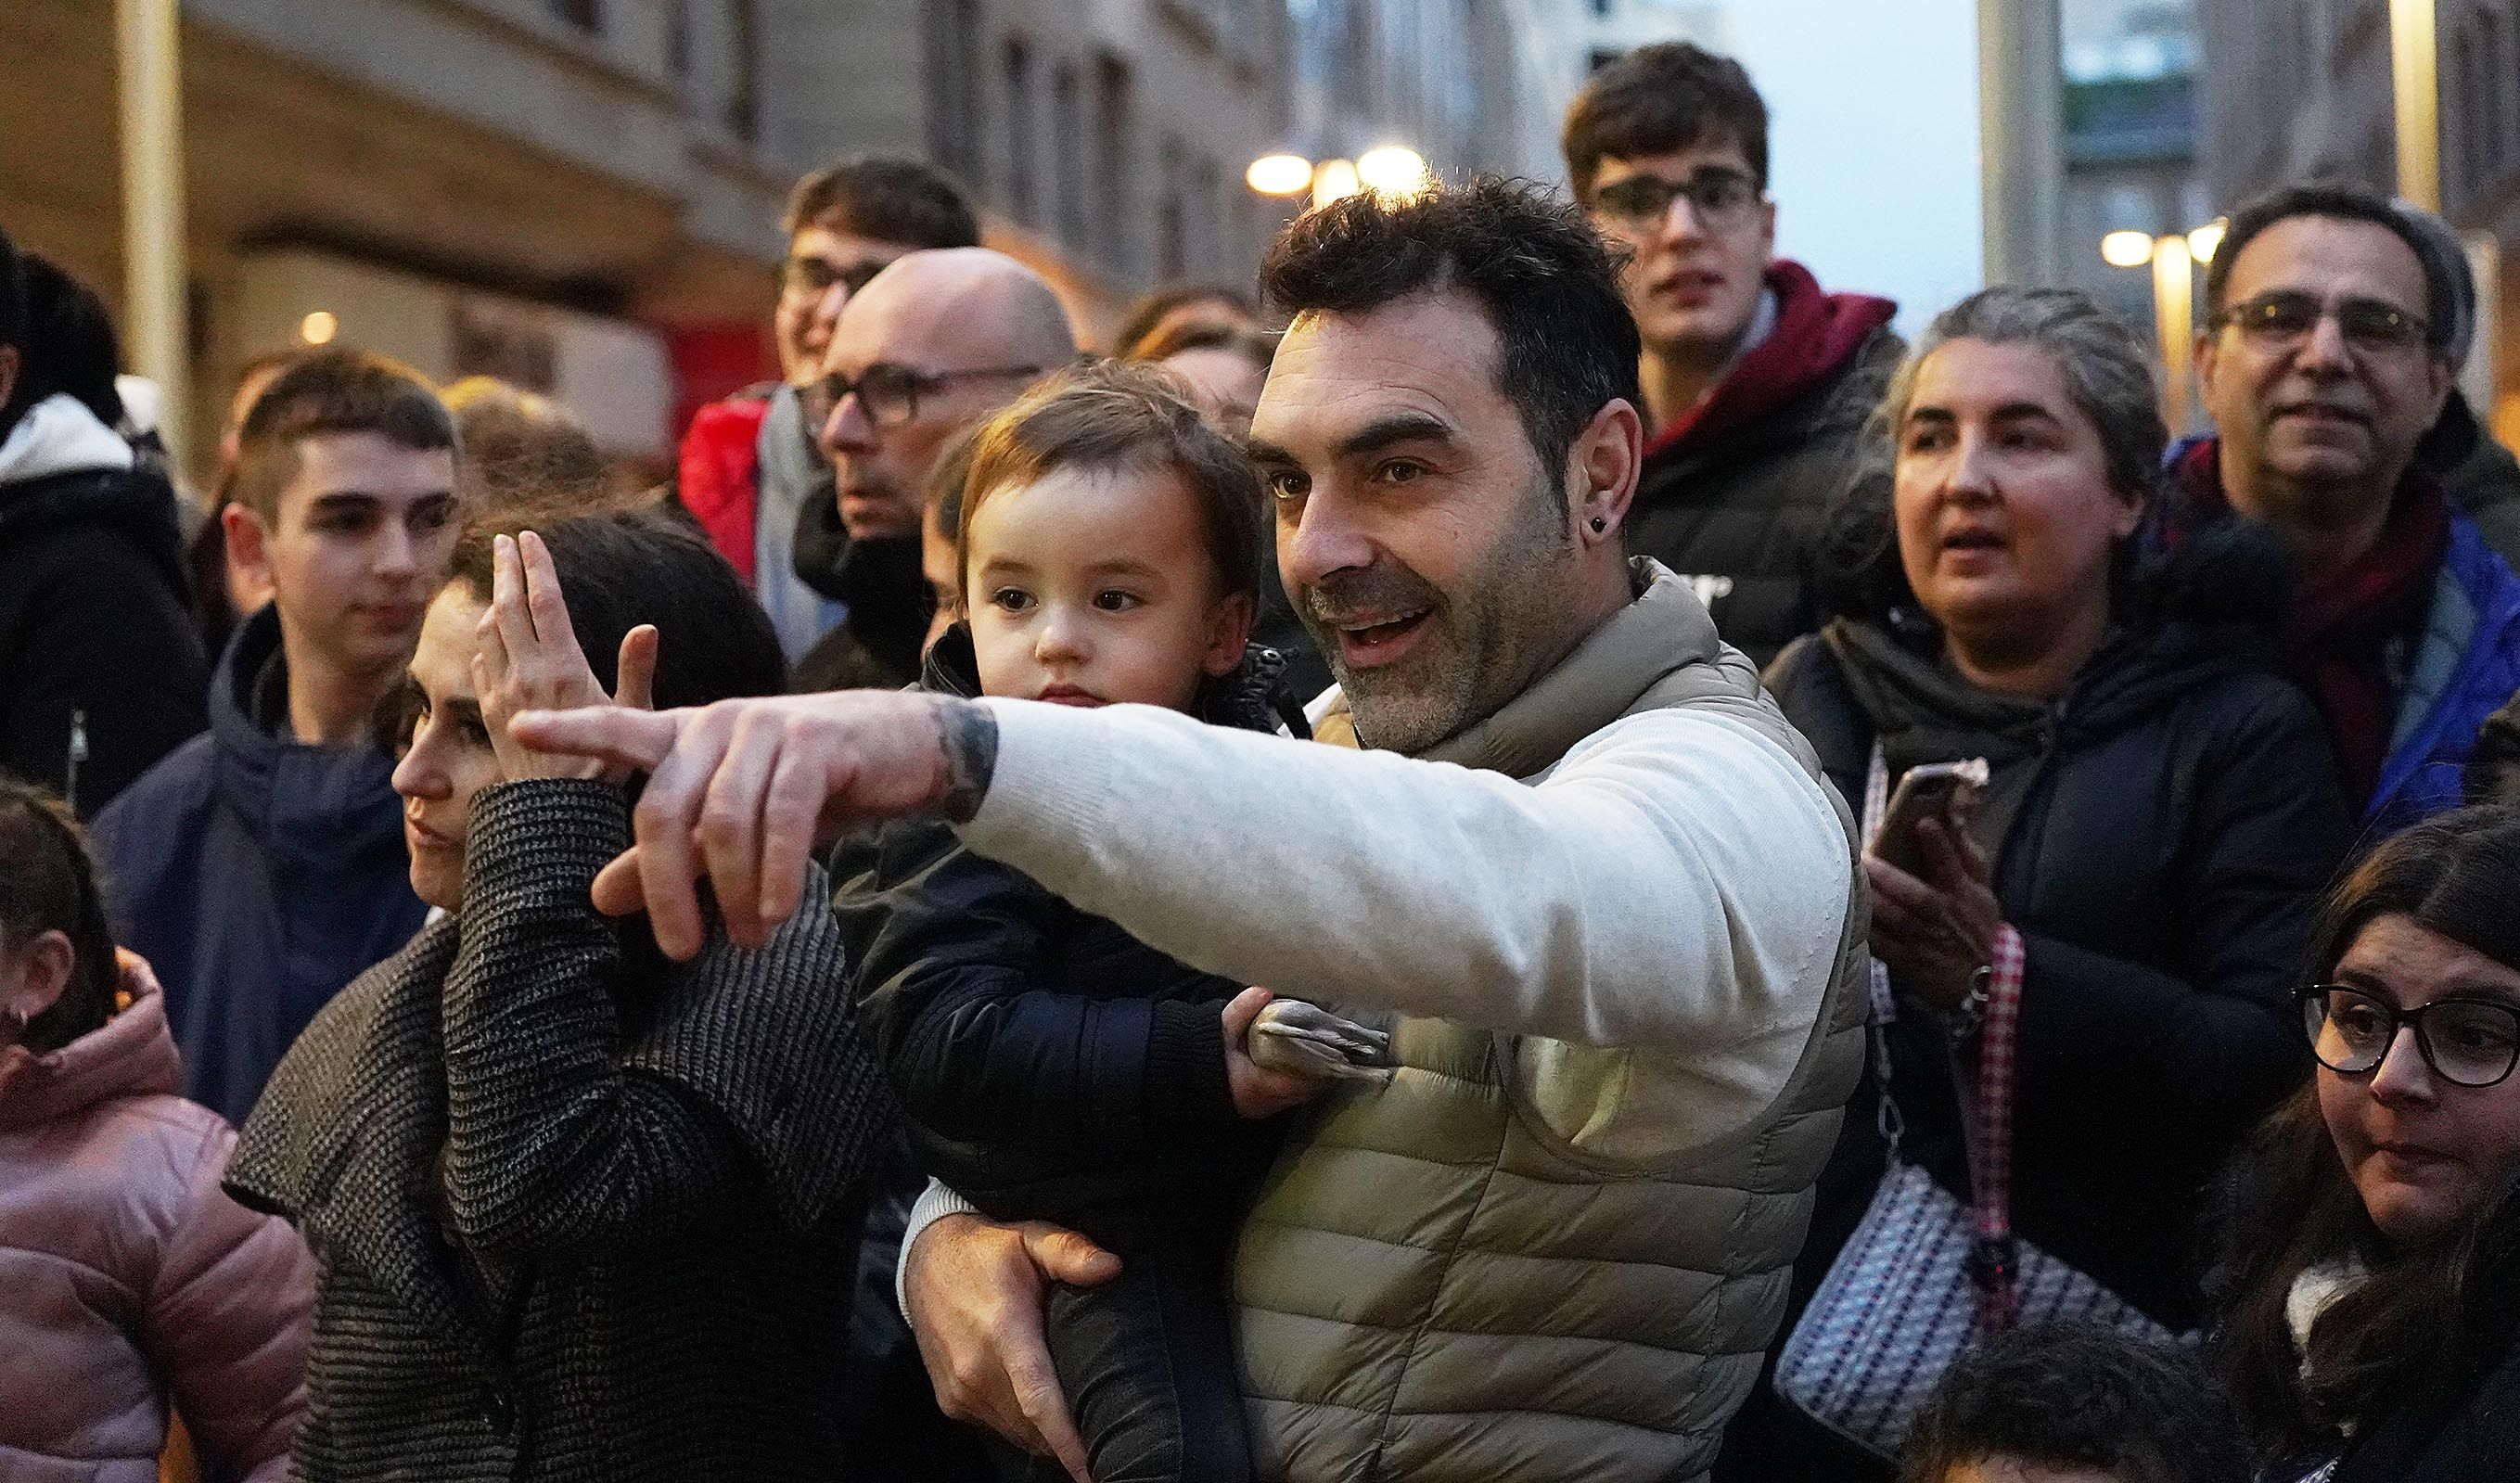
(1389, 169)
(2173, 258)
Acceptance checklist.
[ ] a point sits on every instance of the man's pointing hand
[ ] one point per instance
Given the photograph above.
(744, 792)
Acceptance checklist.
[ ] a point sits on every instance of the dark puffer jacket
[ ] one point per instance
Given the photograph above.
(97, 648)
(1734, 494)
(578, 1213)
(2159, 837)
(1050, 1065)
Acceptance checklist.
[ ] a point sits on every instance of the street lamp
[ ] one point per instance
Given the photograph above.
(1280, 175)
(1393, 169)
(2174, 258)
(1333, 179)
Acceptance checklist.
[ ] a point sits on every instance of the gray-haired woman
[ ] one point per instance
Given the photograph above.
(2162, 809)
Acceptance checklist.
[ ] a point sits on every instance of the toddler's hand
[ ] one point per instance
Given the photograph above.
(1258, 1090)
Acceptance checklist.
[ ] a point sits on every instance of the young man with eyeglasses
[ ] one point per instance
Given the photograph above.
(934, 344)
(1757, 382)
(750, 469)
(2323, 357)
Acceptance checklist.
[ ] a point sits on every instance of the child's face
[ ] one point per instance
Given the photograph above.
(1094, 587)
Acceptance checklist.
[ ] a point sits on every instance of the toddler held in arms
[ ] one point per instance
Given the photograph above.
(1050, 1065)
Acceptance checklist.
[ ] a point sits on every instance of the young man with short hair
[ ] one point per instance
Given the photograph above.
(750, 471)
(1757, 384)
(261, 866)
(2053, 1404)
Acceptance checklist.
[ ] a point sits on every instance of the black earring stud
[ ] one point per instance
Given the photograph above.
(1599, 525)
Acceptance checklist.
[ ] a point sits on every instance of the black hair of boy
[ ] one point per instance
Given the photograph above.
(332, 391)
(2064, 1397)
(1659, 98)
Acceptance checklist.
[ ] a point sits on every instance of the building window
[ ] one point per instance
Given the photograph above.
(1172, 229)
(677, 39)
(744, 69)
(953, 58)
(1067, 153)
(585, 15)
(1111, 162)
(1018, 193)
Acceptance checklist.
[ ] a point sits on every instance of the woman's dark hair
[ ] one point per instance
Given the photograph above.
(1567, 346)
(619, 568)
(2078, 1398)
(48, 884)
(2423, 1319)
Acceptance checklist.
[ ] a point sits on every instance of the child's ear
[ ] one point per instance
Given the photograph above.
(1228, 630)
(248, 543)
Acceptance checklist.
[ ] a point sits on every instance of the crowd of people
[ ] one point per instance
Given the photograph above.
(1726, 898)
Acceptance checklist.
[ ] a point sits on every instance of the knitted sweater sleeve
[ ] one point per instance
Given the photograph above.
(1677, 884)
(552, 1146)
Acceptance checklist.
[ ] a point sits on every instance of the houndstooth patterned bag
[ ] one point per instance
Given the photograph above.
(1925, 1274)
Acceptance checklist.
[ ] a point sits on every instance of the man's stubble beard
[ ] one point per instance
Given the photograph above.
(1488, 643)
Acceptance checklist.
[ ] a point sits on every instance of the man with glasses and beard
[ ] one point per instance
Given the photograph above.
(750, 470)
(1757, 384)
(2324, 356)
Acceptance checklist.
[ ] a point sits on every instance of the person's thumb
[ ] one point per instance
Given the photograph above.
(635, 675)
(1243, 1008)
(1063, 1256)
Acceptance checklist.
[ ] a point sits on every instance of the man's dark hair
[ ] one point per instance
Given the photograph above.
(2067, 1397)
(885, 198)
(332, 391)
(1661, 98)
(1567, 346)
(2343, 203)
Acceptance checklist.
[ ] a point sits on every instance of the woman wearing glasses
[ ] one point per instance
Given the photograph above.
(2370, 1284)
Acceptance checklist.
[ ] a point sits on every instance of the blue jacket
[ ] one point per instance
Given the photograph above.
(256, 874)
(2462, 667)
(2465, 666)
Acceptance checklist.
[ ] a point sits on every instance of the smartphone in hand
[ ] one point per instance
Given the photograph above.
(1940, 791)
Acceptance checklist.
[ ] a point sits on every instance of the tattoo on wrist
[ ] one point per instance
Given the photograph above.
(969, 734)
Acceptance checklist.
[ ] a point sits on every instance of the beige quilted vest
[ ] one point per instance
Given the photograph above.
(1437, 1287)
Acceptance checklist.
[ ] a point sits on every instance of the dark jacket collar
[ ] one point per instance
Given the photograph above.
(284, 787)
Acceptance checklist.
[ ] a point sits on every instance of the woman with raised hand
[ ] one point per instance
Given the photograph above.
(2368, 1292)
(580, 1211)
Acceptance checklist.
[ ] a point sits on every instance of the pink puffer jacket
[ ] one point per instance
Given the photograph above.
(128, 1279)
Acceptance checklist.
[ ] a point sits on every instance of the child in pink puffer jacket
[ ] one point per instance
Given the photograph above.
(130, 1284)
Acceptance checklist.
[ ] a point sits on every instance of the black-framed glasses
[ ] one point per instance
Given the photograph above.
(1722, 198)
(2286, 317)
(812, 276)
(2467, 1042)
(891, 393)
